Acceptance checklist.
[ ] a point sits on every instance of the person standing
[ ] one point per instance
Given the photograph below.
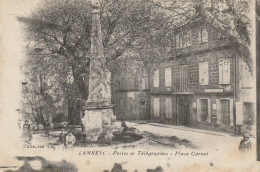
(47, 128)
(62, 137)
(70, 139)
(27, 135)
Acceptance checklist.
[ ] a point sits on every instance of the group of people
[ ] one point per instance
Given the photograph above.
(67, 140)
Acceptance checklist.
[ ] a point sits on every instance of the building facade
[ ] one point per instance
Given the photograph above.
(202, 85)
(130, 92)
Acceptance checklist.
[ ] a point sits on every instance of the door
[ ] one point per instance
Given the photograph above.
(204, 110)
(225, 112)
(183, 110)
(142, 109)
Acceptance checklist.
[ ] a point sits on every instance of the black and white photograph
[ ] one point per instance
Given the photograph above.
(129, 85)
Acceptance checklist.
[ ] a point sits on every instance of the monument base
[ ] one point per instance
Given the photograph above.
(97, 121)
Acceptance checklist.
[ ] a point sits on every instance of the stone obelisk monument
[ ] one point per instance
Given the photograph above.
(98, 110)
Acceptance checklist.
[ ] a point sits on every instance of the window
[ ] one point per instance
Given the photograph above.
(168, 77)
(168, 108)
(183, 79)
(203, 35)
(204, 110)
(224, 71)
(145, 81)
(156, 107)
(189, 38)
(156, 78)
(183, 39)
(177, 41)
(203, 73)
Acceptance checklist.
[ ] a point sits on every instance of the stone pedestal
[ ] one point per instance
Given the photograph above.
(97, 118)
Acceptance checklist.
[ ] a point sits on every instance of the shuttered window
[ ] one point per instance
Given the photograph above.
(168, 77)
(156, 78)
(183, 39)
(168, 107)
(177, 41)
(202, 35)
(224, 71)
(145, 81)
(156, 107)
(203, 73)
(189, 38)
(183, 85)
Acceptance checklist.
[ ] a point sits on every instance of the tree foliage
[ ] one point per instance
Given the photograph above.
(59, 32)
(229, 17)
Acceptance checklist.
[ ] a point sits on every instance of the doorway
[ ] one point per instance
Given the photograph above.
(183, 110)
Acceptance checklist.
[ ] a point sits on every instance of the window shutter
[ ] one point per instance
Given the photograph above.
(198, 110)
(177, 41)
(209, 111)
(168, 77)
(203, 73)
(206, 73)
(218, 111)
(156, 107)
(156, 78)
(168, 108)
(199, 35)
(220, 67)
(143, 83)
(189, 38)
(201, 80)
(181, 39)
(204, 35)
(231, 112)
(226, 71)
(185, 36)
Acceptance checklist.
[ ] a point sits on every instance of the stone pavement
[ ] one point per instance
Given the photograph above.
(204, 139)
(42, 139)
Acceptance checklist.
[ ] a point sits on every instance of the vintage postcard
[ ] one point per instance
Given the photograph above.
(128, 85)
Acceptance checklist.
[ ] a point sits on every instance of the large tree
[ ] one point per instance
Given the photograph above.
(59, 34)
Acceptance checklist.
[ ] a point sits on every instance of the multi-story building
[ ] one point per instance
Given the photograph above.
(204, 84)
